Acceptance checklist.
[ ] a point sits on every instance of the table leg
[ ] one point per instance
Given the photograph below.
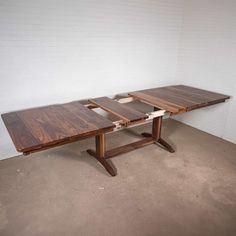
(156, 134)
(100, 153)
(154, 126)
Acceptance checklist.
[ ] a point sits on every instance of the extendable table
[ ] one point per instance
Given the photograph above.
(36, 129)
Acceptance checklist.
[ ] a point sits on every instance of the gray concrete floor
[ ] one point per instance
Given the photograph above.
(64, 191)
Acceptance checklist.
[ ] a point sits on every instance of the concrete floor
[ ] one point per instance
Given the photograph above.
(64, 191)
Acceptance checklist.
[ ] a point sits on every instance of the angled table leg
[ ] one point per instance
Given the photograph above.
(99, 154)
(166, 145)
(156, 134)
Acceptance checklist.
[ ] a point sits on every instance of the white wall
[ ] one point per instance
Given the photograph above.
(55, 51)
(207, 59)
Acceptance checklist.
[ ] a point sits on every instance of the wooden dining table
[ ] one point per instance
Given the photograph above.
(36, 129)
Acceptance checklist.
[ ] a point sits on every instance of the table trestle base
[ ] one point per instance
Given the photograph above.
(101, 154)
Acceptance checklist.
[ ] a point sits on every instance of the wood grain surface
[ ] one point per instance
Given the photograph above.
(44, 127)
(126, 113)
(179, 98)
(48, 126)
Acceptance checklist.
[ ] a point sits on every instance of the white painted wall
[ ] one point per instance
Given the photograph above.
(207, 59)
(54, 51)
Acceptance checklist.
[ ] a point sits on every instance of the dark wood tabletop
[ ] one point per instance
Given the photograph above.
(44, 127)
(179, 98)
(124, 112)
